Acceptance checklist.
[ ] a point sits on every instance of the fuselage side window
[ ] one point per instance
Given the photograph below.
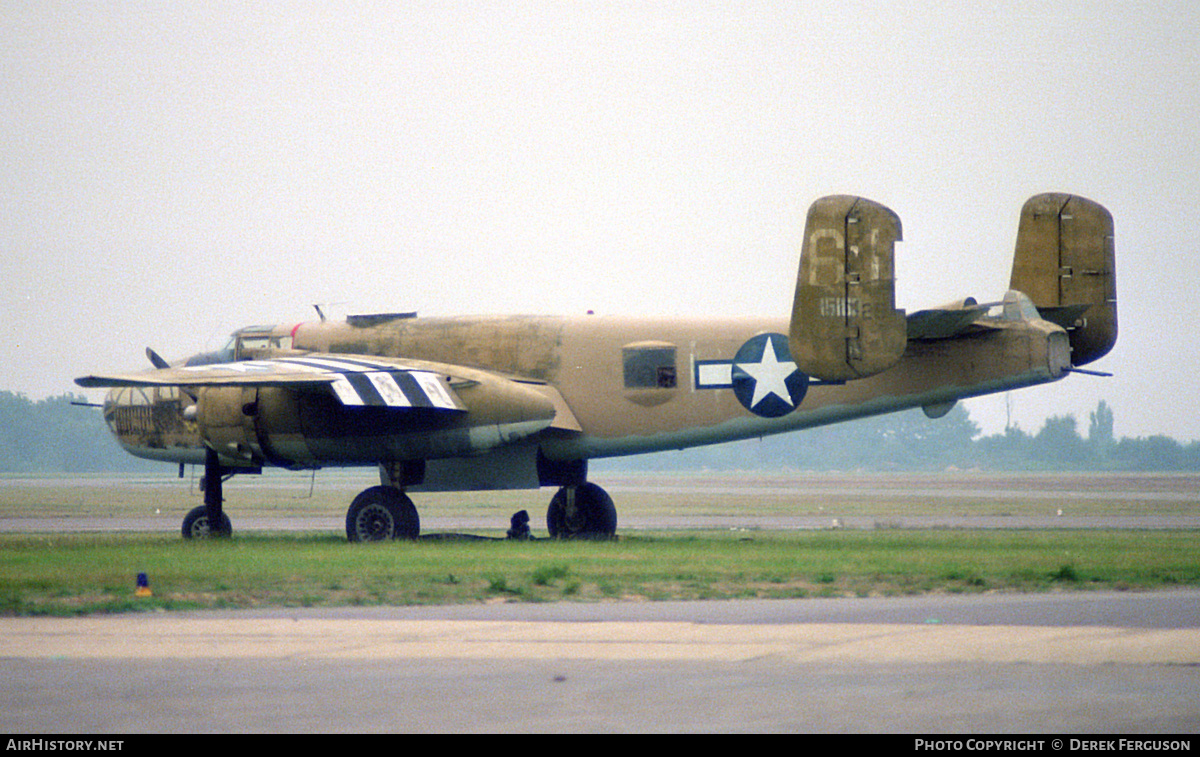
(649, 367)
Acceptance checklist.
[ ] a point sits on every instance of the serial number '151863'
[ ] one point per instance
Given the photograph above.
(844, 307)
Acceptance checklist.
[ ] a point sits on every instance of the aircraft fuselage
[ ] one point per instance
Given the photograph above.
(618, 386)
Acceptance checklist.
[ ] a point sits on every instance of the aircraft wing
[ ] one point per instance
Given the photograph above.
(355, 380)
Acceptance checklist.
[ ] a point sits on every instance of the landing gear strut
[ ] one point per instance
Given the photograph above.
(583, 511)
(577, 511)
(209, 519)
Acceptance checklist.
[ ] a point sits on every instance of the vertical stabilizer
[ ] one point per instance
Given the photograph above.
(845, 324)
(1064, 262)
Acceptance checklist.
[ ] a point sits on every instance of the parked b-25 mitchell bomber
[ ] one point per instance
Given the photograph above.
(465, 403)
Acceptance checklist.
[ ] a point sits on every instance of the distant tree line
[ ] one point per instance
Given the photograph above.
(912, 442)
(56, 436)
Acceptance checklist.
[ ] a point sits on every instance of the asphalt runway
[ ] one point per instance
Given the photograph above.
(745, 501)
(1111, 662)
(1083, 663)
(744, 521)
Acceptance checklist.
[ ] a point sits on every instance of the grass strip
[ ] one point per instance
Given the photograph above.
(64, 574)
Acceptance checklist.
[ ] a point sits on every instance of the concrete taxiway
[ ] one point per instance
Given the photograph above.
(1087, 662)
(1090, 662)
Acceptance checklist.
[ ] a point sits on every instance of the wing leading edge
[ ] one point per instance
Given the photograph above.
(356, 381)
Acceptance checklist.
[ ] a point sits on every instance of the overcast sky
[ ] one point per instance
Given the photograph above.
(173, 171)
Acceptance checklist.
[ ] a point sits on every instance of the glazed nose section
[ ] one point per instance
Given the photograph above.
(128, 412)
(148, 422)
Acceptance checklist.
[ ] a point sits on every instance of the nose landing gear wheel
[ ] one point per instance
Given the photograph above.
(582, 512)
(381, 513)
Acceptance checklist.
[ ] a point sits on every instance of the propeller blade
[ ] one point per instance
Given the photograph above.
(156, 359)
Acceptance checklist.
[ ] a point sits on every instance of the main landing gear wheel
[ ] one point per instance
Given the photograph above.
(380, 513)
(582, 512)
(195, 524)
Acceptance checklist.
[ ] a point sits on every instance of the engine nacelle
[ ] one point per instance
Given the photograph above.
(298, 427)
(226, 419)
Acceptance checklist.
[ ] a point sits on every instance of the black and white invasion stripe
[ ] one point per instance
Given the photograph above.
(359, 382)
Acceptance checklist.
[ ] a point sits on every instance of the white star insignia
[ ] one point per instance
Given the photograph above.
(770, 376)
(247, 366)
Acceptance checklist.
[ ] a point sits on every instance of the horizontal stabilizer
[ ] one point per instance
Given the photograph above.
(1067, 316)
(943, 324)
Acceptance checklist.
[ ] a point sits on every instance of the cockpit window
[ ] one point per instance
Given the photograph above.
(223, 355)
(250, 343)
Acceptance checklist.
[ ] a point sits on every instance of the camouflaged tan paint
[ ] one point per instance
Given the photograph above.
(611, 419)
(571, 372)
(845, 324)
(512, 345)
(1065, 258)
(1009, 355)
